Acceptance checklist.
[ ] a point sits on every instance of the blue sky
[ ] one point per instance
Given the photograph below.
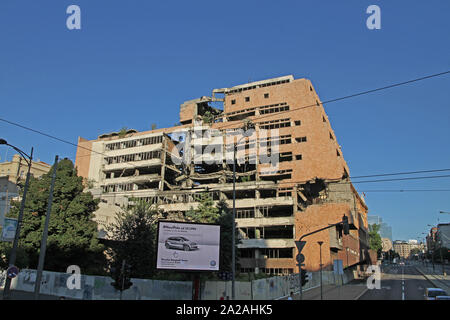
(134, 62)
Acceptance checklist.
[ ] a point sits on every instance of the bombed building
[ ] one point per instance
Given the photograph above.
(291, 177)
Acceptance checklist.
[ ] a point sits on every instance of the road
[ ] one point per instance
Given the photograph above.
(399, 283)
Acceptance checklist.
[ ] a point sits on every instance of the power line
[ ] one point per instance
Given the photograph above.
(59, 139)
(281, 182)
(398, 173)
(355, 95)
(180, 192)
(328, 101)
(401, 179)
(370, 181)
(401, 190)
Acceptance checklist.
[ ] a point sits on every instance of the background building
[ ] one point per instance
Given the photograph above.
(11, 173)
(443, 235)
(308, 188)
(385, 229)
(403, 248)
(8, 191)
(17, 169)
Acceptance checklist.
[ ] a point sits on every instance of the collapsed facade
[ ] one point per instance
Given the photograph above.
(291, 177)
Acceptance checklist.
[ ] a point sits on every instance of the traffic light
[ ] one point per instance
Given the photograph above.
(345, 224)
(304, 278)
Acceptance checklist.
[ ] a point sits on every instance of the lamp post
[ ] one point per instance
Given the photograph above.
(320, 246)
(247, 133)
(13, 254)
(433, 244)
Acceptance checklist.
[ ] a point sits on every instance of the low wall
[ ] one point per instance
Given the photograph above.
(100, 288)
(271, 288)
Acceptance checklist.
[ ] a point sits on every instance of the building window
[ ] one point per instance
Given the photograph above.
(298, 157)
(331, 136)
(323, 119)
(233, 101)
(266, 95)
(300, 139)
(247, 99)
(298, 122)
(337, 153)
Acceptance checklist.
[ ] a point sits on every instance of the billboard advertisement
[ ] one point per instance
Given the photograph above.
(9, 229)
(188, 246)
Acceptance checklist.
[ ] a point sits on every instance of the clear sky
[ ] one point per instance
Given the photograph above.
(134, 62)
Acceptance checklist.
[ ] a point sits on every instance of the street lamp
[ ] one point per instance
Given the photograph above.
(13, 254)
(247, 133)
(320, 246)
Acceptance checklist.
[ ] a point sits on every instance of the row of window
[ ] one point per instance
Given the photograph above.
(119, 187)
(258, 86)
(133, 157)
(275, 124)
(274, 109)
(133, 143)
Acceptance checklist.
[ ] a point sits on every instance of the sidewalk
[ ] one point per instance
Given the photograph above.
(436, 277)
(350, 291)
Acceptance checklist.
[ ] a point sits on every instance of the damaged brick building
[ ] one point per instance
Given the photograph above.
(309, 187)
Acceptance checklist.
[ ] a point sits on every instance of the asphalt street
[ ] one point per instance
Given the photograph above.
(399, 283)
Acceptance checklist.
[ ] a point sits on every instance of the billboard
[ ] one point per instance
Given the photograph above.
(188, 246)
(9, 229)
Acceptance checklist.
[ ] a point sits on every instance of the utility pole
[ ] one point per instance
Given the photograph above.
(37, 285)
(320, 248)
(122, 272)
(247, 133)
(13, 254)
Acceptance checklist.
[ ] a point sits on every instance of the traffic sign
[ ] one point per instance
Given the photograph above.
(300, 245)
(12, 272)
(300, 258)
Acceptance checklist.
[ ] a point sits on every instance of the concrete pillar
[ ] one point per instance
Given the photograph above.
(257, 256)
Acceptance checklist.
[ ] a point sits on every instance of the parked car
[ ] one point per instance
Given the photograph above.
(443, 298)
(433, 293)
(181, 243)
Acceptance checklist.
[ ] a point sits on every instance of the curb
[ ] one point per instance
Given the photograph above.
(361, 294)
(434, 282)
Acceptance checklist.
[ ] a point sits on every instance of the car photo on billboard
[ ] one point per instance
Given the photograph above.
(180, 243)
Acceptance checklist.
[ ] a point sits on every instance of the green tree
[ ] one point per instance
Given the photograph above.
(133, 236)
(206, 212)
(208, 117)
(375, 242)
(72, 234)
(123, 132)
